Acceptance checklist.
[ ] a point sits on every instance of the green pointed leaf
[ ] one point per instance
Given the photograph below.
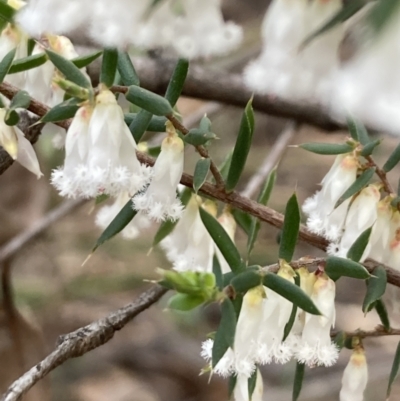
(219, 278)
(200, 173)
(357, 130)
(109, 67)
(225, 165)
(177, 81)
(348, 10)
(225, 335)
(139, 124)
(7, 12)
(290, 230)
(101, 198)
(120, 221)
(197, 137)
(394, 371)
(337, 267)
(246, 280)
(83, 61)
(376, 287)
(251, 383)
(5, 64)
(393, 160)
(291, 292)
(62, 111)
(263, 199)
(298, 380)
(223, 241)
(69, 69)
(293, 314)
(361, 182)
(11, 118)
(27, 63)
(356, 251)
(231, 385)
(20, 100)
(205, 124)
(370, 147)
(340, 340)
(184, 302)
(381, 14)
(382, 313)
(156, 124)
(243, 220)
(327, 148)
(242, 147)
(127, 70)
(149, 101)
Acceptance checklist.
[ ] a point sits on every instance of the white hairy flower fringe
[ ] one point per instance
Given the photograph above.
(100, 154)
(284, 68)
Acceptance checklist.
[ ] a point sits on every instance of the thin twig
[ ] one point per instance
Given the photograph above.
(379, 331)
(19, 241)
(271, 160)
(202, 151)
(381, 174)
(83, 340)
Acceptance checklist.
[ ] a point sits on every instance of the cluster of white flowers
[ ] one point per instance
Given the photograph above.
(190, 246)
(261, 325)
(355, 377)
(365, 86)
(342, 225)
(193, 28)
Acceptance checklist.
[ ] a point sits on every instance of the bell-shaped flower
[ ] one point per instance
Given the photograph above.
(100, 154)
(355, 377)
(107, 214)
(276, 314)
(361, 215)
(324, 219)
(315, 346)
(284, 68)
(190, 246)
(160, 200)
(13, 140)
(241, 390)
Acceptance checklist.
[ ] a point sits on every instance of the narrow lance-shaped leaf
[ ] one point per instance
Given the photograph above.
(120, 221)
(356, 251)
(358, 130)
(149, 101)
(177, 81)
(263, 199)
(7, 12)
(83, 61)
(200, 173)
(290, 292)
(393, 160)
(381, 13)
(61, 111)
(298, 380)
(225, 335)
(376, 287)
(5, 64)
(109, 67)
(382, 313)
(337, 267)
(243, 220)
(157, 123)
(251, 383)
(327, 148)
(246, 280)
(290, 230)
(293, 314)
(231, 385)
(27, 63)
(360, 183)
(184, 302)
(69, 69)
(197, 137)
(394, 371)
(370, 147)
(127, 70)
(20, 100)
(242, 147)
(217, 271)
(222, 240)
(139, 124)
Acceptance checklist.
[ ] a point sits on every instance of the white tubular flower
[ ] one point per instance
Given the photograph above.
(190, 246)
(228, 222)
(283, 68)
(13, 140)
(315, 346)
(100, 154)
(107, 214)
(355, 377)
(159, 200)
(241, 390)
(276, 313)
(202, 32)
(323, 218)
(361, 215)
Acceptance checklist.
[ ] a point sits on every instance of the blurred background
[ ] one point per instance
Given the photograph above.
(157, 356)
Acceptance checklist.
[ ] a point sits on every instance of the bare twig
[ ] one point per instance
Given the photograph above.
(271, 160)
(381, 174)
(379, 331)
(19, 241)
(83, 340)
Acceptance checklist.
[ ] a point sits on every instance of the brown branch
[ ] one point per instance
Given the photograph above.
(83, 340)
(379, 331)
(381, 174)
